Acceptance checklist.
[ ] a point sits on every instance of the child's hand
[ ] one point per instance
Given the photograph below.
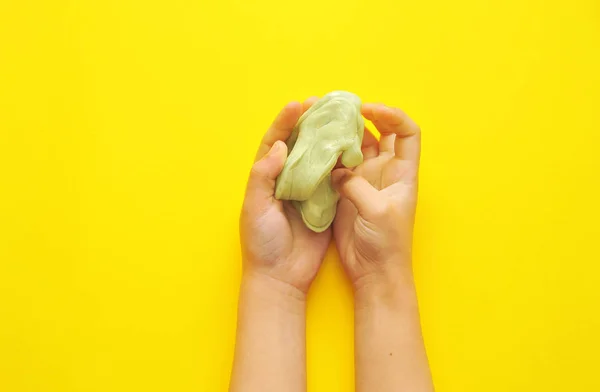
(275, 242)
(374, 223)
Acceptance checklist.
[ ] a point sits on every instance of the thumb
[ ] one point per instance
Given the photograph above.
(261, 184)
(357, 190)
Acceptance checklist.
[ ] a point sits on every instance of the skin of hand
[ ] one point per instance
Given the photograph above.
(281, 257)
(374, 224)
(373, 231)
(275, 241)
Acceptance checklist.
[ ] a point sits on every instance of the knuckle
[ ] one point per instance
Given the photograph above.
(346, 180)
(257, 170)
(417, 129)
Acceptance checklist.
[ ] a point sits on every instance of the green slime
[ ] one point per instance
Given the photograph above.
(333, 126)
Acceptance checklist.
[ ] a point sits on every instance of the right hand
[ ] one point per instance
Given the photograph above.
(373, 227)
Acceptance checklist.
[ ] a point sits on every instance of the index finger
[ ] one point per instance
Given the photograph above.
(370, 144)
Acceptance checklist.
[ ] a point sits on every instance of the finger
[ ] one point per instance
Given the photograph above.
(281, 128)
(370, 145)
(355, 188)
(308, 103)
(407, 143)
(261, 183)
(386, 143)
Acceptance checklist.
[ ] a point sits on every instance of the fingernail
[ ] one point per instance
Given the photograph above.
(276, 147)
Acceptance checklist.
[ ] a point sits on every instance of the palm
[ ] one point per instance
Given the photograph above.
(352, 232)
(287, 248)
(384, 167)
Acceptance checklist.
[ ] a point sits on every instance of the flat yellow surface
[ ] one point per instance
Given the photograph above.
(127, 129)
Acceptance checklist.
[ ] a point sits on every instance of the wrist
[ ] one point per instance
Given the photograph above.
(392, 289)
(271, 292)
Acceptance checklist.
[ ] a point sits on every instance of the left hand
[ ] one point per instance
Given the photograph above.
(373, 227)
(275, 241)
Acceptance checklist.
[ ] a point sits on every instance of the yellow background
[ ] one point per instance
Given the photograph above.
(127, 129)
